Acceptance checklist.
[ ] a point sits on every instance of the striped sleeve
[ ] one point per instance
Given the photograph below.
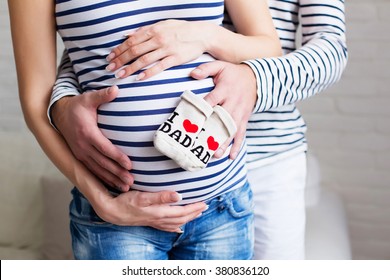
(66, 83)
(315, 66)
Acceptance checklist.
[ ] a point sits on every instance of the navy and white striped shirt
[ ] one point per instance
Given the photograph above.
(89, 30)
(277, 129)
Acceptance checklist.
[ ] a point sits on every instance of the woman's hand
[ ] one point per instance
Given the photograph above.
(167, 43)
(136, 208)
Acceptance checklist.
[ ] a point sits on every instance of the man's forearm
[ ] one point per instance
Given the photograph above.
(66, 84)
(318, 64)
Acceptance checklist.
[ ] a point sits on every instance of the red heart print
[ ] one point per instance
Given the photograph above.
(189, 126)
(213, 145)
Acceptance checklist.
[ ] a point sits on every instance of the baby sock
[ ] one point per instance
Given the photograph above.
(177, 134)
(217, 129)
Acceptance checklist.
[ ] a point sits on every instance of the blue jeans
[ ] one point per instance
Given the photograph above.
(224, 231)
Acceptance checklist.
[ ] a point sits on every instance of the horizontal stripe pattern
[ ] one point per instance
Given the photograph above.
(90, 29)
(277, 129)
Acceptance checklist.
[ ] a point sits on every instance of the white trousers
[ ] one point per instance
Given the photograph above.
(279, 197)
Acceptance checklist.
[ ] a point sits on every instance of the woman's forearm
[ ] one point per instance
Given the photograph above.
(170, 43)
(256, 35)
(34, 41)
(232, 47)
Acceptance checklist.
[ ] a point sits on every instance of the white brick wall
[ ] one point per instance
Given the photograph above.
(349, 129)
(349, 125)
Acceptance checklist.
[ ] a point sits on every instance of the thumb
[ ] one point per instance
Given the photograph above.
(170, 197)
(102, 96)
(207, 69)
(163, 197)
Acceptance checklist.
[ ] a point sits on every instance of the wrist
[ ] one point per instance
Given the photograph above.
(57, 109)
(101, 200)
(209, 39)
(104, 206)
(251, 81)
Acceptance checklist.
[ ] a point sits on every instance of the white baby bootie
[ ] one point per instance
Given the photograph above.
(178, 133)
(217, 129)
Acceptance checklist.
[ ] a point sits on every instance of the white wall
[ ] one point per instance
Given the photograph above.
(10, 112)
(349, 129)
(349, 125)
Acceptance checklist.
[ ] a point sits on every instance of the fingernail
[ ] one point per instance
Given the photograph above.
(233, 156)
(128, 181)
(218, 153)
(110, 67)
(120, 74)
(128, 34)
(140, 76)
(180, 231)
(176, 197)
(198, 215)
(206, 208)
(126, 165)
(197, 71)
(111, 89)
(110, 57)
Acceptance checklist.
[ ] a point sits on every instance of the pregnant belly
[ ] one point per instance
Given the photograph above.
(131, 120)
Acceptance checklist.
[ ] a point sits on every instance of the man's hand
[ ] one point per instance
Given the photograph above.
(76, 118)
(136, 208)
(235, 91)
